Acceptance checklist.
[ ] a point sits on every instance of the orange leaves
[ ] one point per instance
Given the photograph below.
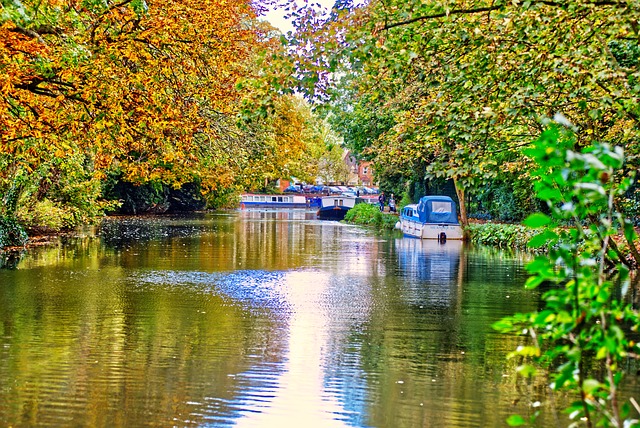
(130, 85)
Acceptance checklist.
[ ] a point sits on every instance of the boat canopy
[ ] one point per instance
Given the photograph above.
(437, 209)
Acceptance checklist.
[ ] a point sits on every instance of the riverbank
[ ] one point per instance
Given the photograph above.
(500, 235)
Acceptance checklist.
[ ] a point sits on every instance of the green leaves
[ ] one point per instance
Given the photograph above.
(582, 315)
(545, 238)
(537, 220)
(516, 421)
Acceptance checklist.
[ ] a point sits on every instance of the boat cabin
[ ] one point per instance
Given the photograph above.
(437, 209)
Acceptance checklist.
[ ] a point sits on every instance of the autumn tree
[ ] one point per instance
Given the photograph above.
(147, 91)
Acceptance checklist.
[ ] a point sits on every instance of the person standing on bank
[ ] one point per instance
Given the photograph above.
(392, 204)
(381, 201)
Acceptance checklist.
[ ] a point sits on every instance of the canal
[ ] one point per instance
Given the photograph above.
(257, 319)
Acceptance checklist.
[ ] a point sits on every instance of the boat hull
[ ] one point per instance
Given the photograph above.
(420, 230)
(332, 213)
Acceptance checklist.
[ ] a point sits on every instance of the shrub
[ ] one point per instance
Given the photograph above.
(47, 215)
(11, 233)
(584, 332)
(364, 214)
(511, 236)
(369, 214)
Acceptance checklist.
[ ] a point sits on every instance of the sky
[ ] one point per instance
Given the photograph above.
(276, 17)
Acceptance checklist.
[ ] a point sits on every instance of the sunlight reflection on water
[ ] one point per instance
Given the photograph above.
(320, 311)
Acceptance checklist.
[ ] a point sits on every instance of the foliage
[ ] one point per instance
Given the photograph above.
(630, 204)
(580, 334)
(48, 215)
(332, 167)
(442, 90)
(404, 201)
(11, 233)
(296, 143)
(505, 200)
(370, 214)
(163, 93)
(506, 236)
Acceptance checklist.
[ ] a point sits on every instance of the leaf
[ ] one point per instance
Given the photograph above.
(533, 282)
(539, 240)
(589, 386)
(537, 220)
(515, 421)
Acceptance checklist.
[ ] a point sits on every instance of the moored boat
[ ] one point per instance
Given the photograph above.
(336, 207)
(433, 217)
(273, 201)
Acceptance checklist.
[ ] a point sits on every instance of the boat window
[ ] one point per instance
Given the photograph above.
(441, 207)
(279, 198)
(274, 199)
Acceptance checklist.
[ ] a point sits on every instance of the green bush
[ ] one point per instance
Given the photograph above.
(585, 332)
(364, 214)
(369, 214)
(48, 215)
(406, 200)
(11, 233)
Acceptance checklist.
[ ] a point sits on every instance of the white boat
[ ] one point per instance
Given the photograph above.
(433, 217)
(273, 201)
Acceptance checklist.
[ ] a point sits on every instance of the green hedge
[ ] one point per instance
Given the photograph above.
(11, 233)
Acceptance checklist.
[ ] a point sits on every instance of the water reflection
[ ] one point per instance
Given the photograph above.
(431, 270)
(256, 318)
(11, 259)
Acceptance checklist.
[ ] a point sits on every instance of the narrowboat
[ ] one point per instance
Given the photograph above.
(273, 201)
(433, 217)
(335, 207)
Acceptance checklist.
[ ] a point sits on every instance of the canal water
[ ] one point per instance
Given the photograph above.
(258, 319)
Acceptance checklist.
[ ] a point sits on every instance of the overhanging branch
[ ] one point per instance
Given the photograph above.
(488, 9)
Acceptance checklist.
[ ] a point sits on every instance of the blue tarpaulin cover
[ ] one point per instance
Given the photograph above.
(437, 209)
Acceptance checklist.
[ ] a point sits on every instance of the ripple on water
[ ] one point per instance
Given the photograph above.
(254, 289)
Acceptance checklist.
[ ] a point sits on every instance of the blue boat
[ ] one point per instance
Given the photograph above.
(433, 217)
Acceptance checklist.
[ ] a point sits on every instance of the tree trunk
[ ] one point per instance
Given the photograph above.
(464, 221)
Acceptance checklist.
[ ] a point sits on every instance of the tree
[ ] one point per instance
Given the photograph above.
(468, 84)
(149, 91)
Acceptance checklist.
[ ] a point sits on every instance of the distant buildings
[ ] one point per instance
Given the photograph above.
(365, 173)
(360, 172)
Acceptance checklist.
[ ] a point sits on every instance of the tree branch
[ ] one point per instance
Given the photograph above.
(488, 9)
(441, 15)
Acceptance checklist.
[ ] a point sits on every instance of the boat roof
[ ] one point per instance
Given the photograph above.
(436, 198)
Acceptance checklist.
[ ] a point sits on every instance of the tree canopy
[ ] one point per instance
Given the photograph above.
(457, 89)
(160, 91)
